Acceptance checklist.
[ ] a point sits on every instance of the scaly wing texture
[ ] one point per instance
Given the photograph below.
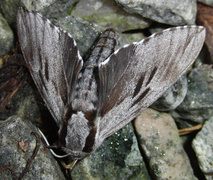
(133, 77)
(53, 58)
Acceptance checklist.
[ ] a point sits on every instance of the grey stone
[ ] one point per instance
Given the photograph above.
(27, 104)
(165, 11)
(17, 146)
(9, 10)
(108, 14)
(197, 105)
(49, 8)
(85, 33)
(173, 96)
(59, 8)
(203, 147)
(117, 158)
(6, 36)
(9, 7)
(161, 144)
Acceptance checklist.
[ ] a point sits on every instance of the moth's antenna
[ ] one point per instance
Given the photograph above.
(53, 153)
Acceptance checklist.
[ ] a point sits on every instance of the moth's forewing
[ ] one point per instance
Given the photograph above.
(133, 77)
(53, 58)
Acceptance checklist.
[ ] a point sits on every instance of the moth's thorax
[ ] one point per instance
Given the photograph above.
(81, 138)
(86, 91)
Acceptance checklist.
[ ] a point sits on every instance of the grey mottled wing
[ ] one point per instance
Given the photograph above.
(133, 77)
(53, 57)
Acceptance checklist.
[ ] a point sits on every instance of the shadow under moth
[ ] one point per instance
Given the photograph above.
(92, 99)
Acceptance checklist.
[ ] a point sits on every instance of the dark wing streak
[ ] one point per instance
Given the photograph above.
(119, 114)
(139, 85)
(141, 96)
(151, 75)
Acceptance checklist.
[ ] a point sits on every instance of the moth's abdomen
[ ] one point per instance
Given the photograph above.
(102, 49)
(86, 92)
(85, 97)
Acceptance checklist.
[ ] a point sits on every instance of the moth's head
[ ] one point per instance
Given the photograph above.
(76, 155)
(80, 137)
(81, 153)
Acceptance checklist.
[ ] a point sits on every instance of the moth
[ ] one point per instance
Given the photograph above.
(92, 99)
